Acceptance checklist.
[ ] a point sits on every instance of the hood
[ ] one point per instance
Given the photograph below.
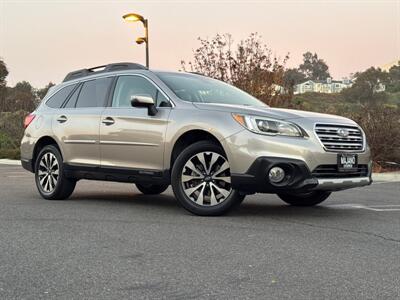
(265, 111)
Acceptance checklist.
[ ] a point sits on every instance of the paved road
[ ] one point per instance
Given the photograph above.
(110, 242)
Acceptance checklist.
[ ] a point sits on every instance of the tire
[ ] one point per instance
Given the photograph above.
(203, 188)
(151, 189)
(51, 186)
(306, 199)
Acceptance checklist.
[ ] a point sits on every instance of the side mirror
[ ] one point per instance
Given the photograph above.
(144, 101)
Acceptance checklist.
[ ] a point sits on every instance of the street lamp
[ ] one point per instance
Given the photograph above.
(135, 18)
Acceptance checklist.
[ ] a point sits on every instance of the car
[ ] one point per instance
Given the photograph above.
(212, 142)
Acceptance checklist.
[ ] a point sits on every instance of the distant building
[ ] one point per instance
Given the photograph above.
(319, 86)
(380, 88)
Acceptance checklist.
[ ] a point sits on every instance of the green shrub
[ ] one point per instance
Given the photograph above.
(6, 142)
(10, 153)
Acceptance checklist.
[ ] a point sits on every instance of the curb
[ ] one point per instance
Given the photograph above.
(13, 162)
(386, 177)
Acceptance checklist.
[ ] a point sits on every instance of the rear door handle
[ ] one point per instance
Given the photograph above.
(62, 119)
(108, 121)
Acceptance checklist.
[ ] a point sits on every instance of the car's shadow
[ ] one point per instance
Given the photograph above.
(249, 207)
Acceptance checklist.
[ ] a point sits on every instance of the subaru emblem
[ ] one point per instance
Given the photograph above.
(343, 132)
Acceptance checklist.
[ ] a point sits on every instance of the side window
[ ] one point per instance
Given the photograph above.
(128, 86)
(94, 92)
(72, 100)
(58, 98)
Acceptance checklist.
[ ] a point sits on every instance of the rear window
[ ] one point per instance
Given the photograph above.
(94, 92)
(58, 98)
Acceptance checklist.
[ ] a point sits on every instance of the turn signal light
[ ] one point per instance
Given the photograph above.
(28, 120)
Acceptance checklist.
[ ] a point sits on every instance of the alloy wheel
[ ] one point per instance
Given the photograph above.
(206, 178)
(48, 172)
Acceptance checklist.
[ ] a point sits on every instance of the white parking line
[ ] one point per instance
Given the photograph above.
(389, 207)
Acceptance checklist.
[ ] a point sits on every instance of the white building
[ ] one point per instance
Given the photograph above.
(318, 86)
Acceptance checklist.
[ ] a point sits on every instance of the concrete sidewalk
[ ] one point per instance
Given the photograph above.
(379, 177)
(386, 177)
(13, 162)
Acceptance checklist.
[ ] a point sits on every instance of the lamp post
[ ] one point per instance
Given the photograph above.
(135, 18)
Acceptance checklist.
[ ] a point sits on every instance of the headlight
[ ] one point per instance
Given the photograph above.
(268, 126)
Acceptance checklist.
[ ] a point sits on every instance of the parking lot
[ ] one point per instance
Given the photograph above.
(110, 242)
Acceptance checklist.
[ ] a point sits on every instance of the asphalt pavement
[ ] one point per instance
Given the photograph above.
(110, 242)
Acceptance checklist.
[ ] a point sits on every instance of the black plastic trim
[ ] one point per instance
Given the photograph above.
(27, 164)
(117, 174)
(255, 180)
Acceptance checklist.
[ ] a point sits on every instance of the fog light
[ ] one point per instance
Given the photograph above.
(276, 174)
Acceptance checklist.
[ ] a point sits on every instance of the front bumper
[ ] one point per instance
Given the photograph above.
(337, 184)
(299, 178)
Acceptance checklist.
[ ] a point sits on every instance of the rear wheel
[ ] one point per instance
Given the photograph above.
(305, 199)
(201, 180)
(50, 179)
(151, 189)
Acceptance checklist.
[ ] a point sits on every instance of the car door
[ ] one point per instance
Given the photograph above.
(129, 137)
(77, 124)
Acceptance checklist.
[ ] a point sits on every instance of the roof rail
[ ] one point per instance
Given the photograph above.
(196, 73)
(103, 69)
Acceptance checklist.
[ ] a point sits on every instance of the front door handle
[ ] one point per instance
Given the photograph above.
(108, 121)
(62, 119)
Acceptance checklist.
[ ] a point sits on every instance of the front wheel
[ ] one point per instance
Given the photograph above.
(304, 199)
(201, 180)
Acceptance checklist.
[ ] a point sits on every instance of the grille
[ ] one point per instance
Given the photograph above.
(330, 137)
(331, 171)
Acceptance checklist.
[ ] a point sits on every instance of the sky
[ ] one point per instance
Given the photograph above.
(41, 41)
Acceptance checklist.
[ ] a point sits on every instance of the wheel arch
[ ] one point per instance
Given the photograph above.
(189, 137)
(40, 144)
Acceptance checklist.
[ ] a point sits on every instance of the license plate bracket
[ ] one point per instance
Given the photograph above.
(347, 162)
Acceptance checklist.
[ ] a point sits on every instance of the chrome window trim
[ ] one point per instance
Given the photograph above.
(106, 76)
(151, 82)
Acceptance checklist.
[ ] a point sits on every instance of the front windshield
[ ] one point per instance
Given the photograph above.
(197, 88)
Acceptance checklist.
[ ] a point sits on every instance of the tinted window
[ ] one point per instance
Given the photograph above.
(72, 100)
(58, 98)
(129, 86)
(93, 93)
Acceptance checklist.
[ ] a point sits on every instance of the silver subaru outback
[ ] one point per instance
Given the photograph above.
(212, 142)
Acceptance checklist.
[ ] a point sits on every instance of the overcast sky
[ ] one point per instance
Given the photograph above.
(41, 41)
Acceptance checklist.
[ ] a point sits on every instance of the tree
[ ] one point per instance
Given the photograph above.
(367, 87)
(3, 89)
(291, 78)
(41, 93)
(393, 79)
(248, 65)
(20, 97)
(3, 72)
(313, 67)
